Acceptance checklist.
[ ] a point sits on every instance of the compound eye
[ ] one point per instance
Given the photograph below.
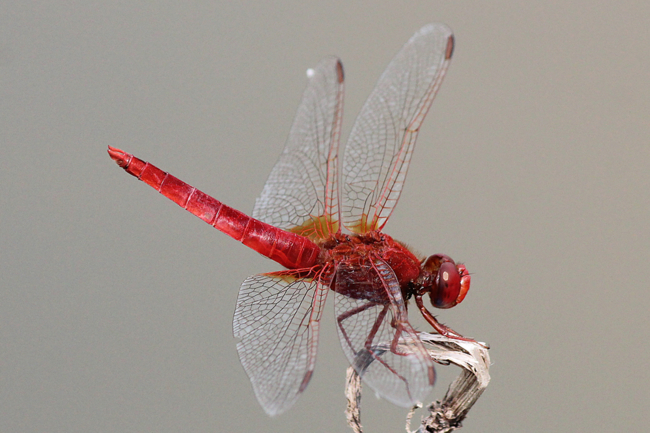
(465, 280)
(447, 286)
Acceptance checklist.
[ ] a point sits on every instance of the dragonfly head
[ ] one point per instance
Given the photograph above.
(448, 282)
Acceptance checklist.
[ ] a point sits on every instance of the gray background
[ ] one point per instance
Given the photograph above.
(532, 168)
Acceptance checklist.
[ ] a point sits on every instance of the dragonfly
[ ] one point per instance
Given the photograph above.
(298, 222)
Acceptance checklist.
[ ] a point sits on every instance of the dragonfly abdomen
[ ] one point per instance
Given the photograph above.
(288, 249)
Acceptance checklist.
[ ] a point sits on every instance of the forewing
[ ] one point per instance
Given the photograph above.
(277, 321)
(301, 193)
(369, 330)
(381, 143)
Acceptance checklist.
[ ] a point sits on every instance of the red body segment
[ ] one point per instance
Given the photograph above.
(356, 279)
(288, 249)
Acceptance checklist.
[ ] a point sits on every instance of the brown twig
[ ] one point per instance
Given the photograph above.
(353, 394)
(447, 414)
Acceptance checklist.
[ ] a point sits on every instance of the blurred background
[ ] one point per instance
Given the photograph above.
(533, 168)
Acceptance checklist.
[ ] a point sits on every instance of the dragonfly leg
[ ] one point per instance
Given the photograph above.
(349, 314)
(399, 329)
(439, 327)
(371, 353)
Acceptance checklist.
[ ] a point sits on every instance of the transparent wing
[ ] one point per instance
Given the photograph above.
(301, 193)
(379, 149)
(370, 329)
(277, 321)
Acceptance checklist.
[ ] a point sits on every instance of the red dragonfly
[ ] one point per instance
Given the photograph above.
(297, 222)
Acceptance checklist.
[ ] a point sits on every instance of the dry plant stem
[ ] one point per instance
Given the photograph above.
(353, 394)
(409, 416)
(447, 414)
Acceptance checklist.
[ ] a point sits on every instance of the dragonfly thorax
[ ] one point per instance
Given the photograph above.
(353, 256)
